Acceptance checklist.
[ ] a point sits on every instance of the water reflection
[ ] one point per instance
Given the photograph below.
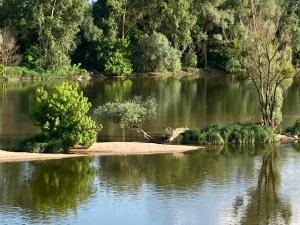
(220, 186)
(14, 110)
(46, 187)
(187, 172)
(182, 101)
(263, 204)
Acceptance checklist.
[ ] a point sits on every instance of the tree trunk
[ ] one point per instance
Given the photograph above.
(123, 25)
(163, 139)
(146, 136)
(123, 134)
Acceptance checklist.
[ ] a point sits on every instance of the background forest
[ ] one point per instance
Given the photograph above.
(119, 37)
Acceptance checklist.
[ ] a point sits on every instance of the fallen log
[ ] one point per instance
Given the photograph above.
(163, 139)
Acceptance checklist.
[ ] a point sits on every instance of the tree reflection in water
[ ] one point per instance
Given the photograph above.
(186, 172)
(45, 187)
(263, 205)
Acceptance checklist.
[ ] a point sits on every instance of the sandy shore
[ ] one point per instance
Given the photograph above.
(6, 156)
(104, 148)
(133, 148)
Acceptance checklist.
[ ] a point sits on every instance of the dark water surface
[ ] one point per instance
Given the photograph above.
(223, 186)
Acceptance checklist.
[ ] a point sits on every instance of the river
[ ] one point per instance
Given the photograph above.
(249, 185)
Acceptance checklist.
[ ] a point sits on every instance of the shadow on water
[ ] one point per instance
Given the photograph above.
(263, 205)
(45, 188)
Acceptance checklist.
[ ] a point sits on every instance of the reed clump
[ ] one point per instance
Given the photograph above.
(237, 133)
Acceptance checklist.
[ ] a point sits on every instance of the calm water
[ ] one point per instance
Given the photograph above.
(215, 187)
(191, 102)
(221, 186)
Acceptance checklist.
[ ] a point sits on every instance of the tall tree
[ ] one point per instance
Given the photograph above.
(291, 16)
(117, 17)
(51, 24)
(214, 17)
(8, 49)
(266, 57)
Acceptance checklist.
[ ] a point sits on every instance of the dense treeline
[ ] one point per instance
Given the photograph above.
(117, 37)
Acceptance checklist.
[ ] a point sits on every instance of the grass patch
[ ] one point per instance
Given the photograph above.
(238, 134)
(24, 73)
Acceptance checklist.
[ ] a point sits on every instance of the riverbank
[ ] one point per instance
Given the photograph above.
(101, 149)
(7, 156)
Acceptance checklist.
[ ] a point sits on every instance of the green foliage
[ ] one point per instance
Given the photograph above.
(155, 54)
(233, 134)
(206, 33)
(295, 129)
(61, 113)
(66, 72)
(51, 25)
(117, 61)
(33, 58)
(189, 59)
(265, 58)
(21, 73)
(130, 114)
(24, 73)
(41, 144)
(178, 22)
(214, 21)
(223, 54)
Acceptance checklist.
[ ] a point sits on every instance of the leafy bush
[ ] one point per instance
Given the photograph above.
(295, 129)
(41, 144)
(189, 59)
(21, 72)
(155, 54)
(65, 72)
(128, 114)
(33, 58)
(61, 112)
(233, 134)
(117, 61)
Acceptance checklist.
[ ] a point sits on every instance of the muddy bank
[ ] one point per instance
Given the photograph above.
(104, 148)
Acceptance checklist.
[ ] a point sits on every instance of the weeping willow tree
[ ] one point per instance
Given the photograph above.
(266, 57)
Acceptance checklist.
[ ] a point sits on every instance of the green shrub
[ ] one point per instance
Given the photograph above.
(33, 58)
(155, 54)
(21, 73)
(189, 59)
(237, 134)
(41, 144)
(295, 129)
(130, 114)
(24, 73)
(65, 72)
(117, 61)
(61, 112)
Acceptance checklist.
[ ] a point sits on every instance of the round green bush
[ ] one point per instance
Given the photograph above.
(155, 54)
(61, 113)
